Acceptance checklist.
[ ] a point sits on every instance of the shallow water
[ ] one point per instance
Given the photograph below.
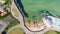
(58, 24)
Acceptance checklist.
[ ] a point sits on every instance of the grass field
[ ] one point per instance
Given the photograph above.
(16, 31)
(57, 32)
(33, 7)
(15, 12)
(50, 32)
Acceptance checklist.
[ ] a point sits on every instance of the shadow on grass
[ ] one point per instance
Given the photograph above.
(20, 6)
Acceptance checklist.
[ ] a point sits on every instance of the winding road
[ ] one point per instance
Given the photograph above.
(20, 18)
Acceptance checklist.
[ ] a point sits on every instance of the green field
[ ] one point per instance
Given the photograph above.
(15, 12)
(50, 32)
(0, 3)
(57, 32)
(33, 7)
(16, 31)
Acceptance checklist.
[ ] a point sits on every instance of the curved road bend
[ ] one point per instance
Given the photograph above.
(20, 18)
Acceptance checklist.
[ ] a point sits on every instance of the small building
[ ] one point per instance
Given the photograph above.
(48, 21)
(51, 21)
(2, 12)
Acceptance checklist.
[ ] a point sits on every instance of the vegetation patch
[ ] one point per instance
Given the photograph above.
(16, 31)
(2, 17)
(50, 32)
(7, 2)
(15, 12)
(12, 23)
(57, 32)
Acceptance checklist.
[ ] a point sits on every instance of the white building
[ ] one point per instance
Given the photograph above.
(50, 21)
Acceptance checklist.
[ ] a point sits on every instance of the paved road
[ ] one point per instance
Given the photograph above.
(5, 22)
(20, 18)
(8, 19)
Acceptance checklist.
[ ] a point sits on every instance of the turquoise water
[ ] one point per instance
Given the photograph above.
(58, 24)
